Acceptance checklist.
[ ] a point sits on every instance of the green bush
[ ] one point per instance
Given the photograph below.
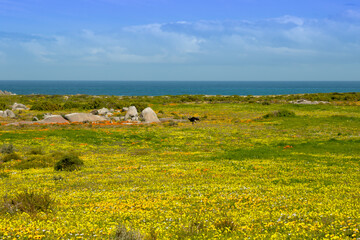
(46, 106)
(36, 151)
(280, 113)
(7, 148)
(3, 106)
(72, 105)
(11, 156)
(35, 161)
(69, 162)
(28, 201)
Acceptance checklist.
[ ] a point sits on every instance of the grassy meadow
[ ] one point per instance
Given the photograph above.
(233, 175)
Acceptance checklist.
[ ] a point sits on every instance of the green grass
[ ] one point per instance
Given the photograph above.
(233, 175)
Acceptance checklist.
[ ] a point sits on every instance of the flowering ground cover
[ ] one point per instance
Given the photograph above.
(233, 175)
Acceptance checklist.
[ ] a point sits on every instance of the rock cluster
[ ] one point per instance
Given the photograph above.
(147, 116)
(132, 114)
(7, 114)
(19, 106)
(6, 93)
(304, 101)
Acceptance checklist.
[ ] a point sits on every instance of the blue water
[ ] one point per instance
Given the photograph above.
(157, 88)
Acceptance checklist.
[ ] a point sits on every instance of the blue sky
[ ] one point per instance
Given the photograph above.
(179, 40)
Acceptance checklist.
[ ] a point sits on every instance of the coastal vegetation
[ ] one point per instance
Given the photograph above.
(253, 167)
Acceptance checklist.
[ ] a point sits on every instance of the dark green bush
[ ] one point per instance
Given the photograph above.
(11, 156)
(46, 106)
(280, 113)
(72, 105)
(36, 151)
(3, 106)
(28, 201)
(7, 148)
(69, 162)
(94, 104)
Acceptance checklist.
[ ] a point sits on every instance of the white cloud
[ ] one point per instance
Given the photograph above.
(38, 50)
(281, 38)
(353, 14)
(289, 19)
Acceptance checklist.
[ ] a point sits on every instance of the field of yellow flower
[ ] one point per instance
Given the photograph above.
(233, 175)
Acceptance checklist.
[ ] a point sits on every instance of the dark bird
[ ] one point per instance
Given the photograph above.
(193, 119)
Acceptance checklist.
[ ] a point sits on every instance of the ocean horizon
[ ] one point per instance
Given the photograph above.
(158, 88)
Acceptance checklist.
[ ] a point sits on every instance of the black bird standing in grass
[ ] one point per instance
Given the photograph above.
(193, 119)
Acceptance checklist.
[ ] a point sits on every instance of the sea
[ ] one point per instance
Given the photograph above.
(158, 88)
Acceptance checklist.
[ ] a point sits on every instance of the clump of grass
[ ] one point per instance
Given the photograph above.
(36, 151)
(122, 233)
(35, 161)
(194, 228)
(226, 225)
(28, 201)
(7, 148)
(69, 162)
(11, 156)
(280, 113)
(4, 175)
(173, 123)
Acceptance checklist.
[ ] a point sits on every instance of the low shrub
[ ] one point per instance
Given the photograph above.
(7, 148)
(193, 229)
(72, 105)
(122, 233)
(35, 161)
(69, 162)
(46, 106)
(226, 225)
(11, 156)
(3, 106)
(4, 175)
(280, 113)
(28, 201)
(36, 151)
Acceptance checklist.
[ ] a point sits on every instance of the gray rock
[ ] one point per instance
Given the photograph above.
(7, 114)
(19, 106)
(172, 120)
(35, 119)
(307, 102)
(103, 111)
(116, 119)
(54, 119)
(47, 115)
(95, 112)
(84, 117)
(6, 93)
(132, 114)
(149, 116)
(125, 109)
(20, 123)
